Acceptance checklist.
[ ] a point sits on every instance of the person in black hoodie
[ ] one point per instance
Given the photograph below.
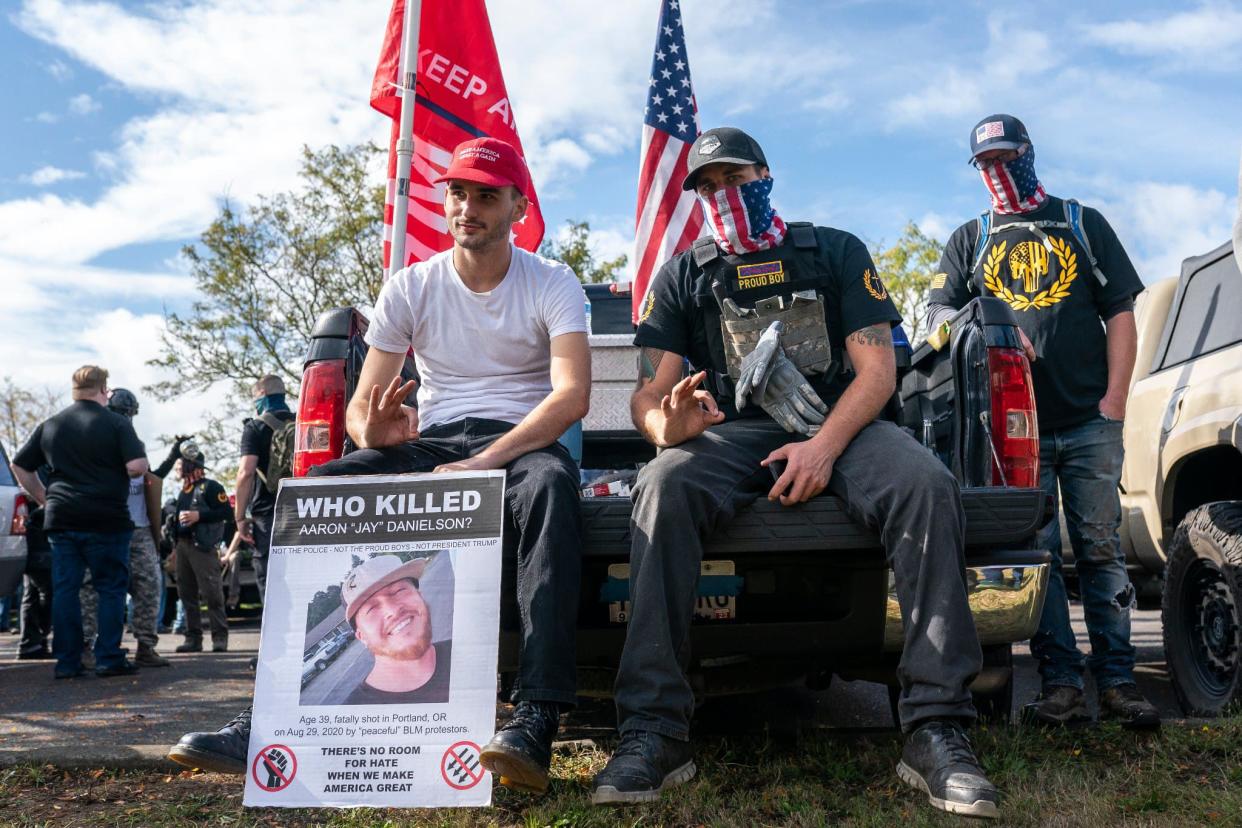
(202, 511)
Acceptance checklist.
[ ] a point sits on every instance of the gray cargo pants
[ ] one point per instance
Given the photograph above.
(144, 588)
(887, 481)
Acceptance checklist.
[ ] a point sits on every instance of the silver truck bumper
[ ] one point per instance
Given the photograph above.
(1006, 602)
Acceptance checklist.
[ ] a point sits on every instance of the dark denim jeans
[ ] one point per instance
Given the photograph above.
(106, 555)
(542, 531)
(1086, 460)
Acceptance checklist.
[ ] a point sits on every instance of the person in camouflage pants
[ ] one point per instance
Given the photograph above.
(145, 584)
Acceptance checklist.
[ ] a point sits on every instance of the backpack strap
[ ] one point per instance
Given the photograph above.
(271, 421)
(1073, 217)
(983, 226)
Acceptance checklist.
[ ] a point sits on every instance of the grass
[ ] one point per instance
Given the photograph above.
(1183, 775)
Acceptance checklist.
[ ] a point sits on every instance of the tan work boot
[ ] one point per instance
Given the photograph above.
(148, 657)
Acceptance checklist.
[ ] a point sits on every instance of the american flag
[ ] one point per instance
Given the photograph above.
(1013, 185)
(992, 129)
(669, 218)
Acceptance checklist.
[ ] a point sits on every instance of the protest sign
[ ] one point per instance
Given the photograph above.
(376, 679)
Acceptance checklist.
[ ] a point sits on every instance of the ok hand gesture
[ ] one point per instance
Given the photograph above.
(390, 422)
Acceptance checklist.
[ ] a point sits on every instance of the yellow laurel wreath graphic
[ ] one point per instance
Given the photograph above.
(879, 295)
(1058, 290)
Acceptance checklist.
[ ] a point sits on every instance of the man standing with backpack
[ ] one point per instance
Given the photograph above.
(266, 457)
(1061, 268)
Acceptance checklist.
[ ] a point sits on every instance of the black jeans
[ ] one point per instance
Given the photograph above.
(887, 481)
(542, 531)
(36, 616)
(262, 531)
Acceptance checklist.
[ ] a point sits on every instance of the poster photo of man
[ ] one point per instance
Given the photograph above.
(383, 635)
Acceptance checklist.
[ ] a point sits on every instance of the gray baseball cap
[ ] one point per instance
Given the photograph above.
(722, 145)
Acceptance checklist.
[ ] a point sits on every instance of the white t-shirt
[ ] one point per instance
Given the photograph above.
(484, 355)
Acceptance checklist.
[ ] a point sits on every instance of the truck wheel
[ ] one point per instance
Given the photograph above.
(321, 665)
(1202, 609)
(993, 706)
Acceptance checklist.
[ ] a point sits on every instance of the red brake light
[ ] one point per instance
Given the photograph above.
(20, 513)
(1015, 430)
(321, 416)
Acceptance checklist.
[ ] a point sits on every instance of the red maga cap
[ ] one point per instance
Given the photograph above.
(489, 161)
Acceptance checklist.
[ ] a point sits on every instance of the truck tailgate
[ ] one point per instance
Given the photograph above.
(994, 516)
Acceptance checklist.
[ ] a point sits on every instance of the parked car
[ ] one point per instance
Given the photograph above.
(805, 593)
(13, 513)
(1181, 484)
(317, 658)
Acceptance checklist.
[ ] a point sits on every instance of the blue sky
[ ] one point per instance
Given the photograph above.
(126, 123)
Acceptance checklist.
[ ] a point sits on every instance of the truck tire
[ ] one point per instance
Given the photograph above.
(1202, 609)
(994, 706)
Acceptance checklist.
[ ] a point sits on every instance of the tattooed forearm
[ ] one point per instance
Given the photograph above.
(873, 335)
(648, 363)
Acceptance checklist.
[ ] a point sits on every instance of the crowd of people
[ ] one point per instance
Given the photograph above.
(106, 552)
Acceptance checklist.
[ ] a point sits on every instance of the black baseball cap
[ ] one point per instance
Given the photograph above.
(997, 132)
(722, 145)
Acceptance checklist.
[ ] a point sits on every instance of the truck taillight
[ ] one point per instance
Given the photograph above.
(321, 416)
(1015, 431)
(21, 511)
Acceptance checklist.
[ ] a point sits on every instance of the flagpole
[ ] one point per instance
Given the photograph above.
(405, 134)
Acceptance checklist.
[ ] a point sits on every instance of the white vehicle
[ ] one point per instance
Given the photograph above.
(13, 513)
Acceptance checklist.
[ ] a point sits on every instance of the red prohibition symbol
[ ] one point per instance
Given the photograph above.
(274, 768)
(460, 766)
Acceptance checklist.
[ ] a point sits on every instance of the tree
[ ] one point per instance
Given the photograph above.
(906, 269)
(574, 249)
(21, 411)
(264, 274)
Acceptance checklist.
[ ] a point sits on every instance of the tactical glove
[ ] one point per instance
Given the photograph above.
(776, 384)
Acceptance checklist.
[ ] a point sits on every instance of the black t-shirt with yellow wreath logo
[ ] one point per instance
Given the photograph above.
(1059, 302)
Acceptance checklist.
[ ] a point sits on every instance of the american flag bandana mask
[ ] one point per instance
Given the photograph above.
(1013, 185)
(742, 219)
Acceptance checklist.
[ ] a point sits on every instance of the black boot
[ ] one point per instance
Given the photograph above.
(192, 644)
(223, 751)
(939, 761)
(643, 765)
(1058, 705)
(521, 752)
(1125, 703)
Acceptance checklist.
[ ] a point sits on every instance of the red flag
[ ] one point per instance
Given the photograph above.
(669, 219)
(460, 95)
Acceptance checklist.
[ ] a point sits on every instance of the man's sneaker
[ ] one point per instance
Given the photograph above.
(121, 668)
(939, 761)
(1057, 705)
(1126, 704)
(148, 657)
(223, 751)
(643, 765)
(190, 645)
(521, 752)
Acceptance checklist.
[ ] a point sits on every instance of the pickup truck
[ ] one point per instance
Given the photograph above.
(1181, 483)
(789, 593)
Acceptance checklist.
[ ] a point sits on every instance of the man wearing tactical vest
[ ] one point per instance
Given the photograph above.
(202, 509)
(766, 314)
(1061, 268)
(255, 474)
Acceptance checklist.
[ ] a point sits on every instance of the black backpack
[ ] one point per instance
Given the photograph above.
(280, 453)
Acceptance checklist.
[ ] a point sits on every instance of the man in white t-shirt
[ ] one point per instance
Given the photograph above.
(500, 341)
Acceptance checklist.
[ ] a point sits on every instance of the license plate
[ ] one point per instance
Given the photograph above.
(706, 607)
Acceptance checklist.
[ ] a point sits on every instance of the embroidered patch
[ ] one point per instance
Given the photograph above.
(648, 307)
(223, 497)
(992, 129)
(937, 281)
(874, 286)
(709, 145)
(760, 275)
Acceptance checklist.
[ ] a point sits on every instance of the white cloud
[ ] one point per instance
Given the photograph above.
(954, 94)
(47, 118)
(45, 176)
(833, 101)
(1207, 37)
(59, 70)
(83, 104)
